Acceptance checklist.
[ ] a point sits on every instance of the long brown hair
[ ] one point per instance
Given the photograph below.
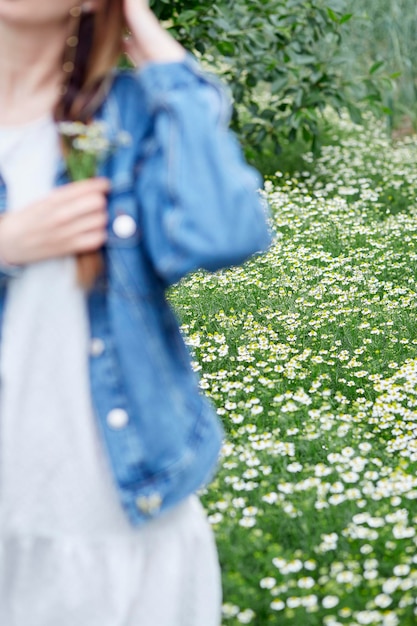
(93, 47)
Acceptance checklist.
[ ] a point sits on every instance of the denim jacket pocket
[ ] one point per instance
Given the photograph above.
(130, 271)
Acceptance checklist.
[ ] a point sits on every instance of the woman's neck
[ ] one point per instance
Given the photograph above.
(30, 71)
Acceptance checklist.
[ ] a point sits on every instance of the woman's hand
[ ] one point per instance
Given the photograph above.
(148, 40)
(71, 219)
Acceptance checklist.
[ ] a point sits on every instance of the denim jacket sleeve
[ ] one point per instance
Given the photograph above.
(200, 200)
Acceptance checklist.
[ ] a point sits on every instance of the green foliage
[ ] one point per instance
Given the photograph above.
(385, 32)
(309, 355)
(281, 60)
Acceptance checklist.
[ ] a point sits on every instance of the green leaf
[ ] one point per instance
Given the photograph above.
(251, 80)
(345, 18)
(355, 113)
(226, 48)
(279, 83)
(186, 16)
(376, 66)
(332, 15)
(200, 47)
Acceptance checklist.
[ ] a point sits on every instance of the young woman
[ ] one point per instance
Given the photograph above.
(104, 437)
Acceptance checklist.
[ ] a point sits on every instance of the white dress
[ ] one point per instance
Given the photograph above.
(68, 555)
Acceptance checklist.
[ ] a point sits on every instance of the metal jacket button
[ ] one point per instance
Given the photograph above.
(117, 418)
(124, 226)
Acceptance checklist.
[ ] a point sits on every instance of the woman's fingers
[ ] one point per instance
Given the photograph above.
(70, 210)
(149, 41)
(93, 219)
(89, 241)
(71, 219)
(78, 189)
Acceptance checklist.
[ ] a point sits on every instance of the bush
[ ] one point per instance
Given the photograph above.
(281, 59)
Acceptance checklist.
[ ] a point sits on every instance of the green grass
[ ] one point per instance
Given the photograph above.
(310, 355)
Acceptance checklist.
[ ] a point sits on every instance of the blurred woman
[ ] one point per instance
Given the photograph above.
(113, 186)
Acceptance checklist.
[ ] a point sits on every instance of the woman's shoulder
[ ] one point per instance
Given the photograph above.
(125, 82)
(125, 98)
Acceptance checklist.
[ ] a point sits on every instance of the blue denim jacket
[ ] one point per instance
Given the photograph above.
(181, 198)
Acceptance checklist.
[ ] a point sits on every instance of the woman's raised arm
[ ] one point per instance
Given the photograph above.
(200, 202)
(148, 40)
(199, 198)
